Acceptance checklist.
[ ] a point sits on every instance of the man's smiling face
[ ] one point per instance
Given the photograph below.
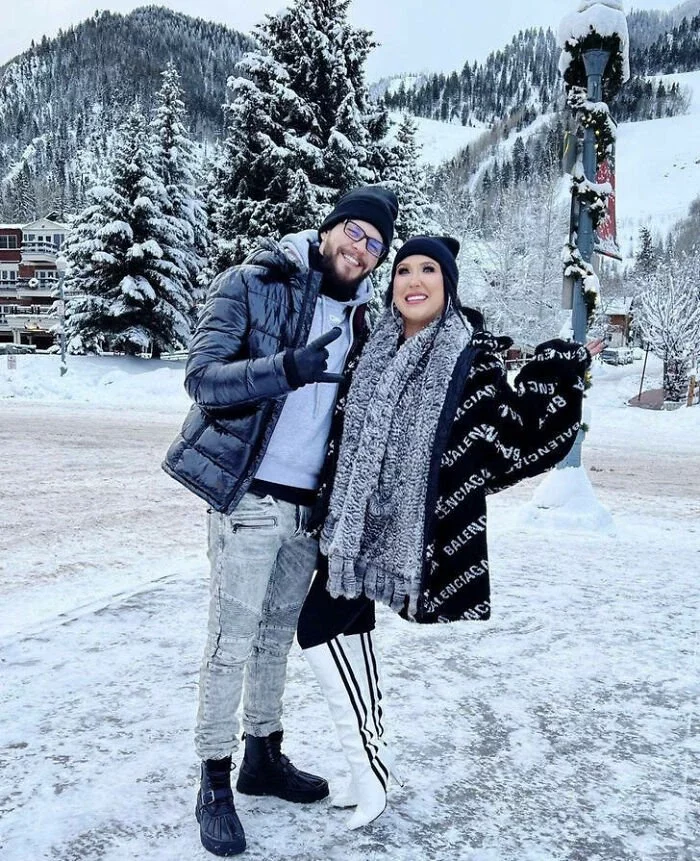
(349, 261)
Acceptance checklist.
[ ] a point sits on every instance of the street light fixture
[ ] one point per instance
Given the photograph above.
(595, 46)
(61, 266)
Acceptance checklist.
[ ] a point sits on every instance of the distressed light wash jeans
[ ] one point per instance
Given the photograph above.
(261, 567)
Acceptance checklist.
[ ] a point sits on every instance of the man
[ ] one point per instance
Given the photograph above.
(263, 372)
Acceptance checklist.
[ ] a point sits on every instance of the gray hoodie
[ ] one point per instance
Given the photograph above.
(297, 447)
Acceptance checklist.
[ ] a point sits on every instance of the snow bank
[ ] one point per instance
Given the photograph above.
(566, 500)
(120, 382)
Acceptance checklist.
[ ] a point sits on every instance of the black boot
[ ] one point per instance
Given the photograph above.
(220, 828)
(267, 771)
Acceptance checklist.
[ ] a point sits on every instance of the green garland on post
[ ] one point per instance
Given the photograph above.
(575, 74)
(580, 271)
(594, 115)
(592, 195)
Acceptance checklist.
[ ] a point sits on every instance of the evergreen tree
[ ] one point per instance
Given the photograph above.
(128, 282)
(173, 153)
(209, 190)
(301, 130)
(647, 259)
(23, 194)
(408, 179)
(519, 156)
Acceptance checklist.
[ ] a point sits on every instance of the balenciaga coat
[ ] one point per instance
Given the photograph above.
(490, 436)
(235, 374)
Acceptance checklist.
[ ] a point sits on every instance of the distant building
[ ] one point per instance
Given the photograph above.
(28, 278)
(619, 314)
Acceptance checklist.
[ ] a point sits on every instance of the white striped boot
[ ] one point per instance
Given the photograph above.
(364, 662)
(350, 710)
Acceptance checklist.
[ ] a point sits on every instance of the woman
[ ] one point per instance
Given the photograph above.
(429, 426)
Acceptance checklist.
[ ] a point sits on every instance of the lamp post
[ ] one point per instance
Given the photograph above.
(595, 61)
(61, 267)
(595, 46)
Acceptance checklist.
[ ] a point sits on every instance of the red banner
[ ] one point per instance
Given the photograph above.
(606, 234)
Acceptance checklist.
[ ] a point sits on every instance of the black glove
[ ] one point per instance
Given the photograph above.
(308, 364)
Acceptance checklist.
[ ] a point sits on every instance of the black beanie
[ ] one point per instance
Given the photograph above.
(442, 249)
(372, 203)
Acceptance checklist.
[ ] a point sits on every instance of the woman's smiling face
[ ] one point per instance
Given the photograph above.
(418, 292)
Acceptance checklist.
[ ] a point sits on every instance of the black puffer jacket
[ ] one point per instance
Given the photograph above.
(235, 374)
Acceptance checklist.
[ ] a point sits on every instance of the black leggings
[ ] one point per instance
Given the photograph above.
(322, 618)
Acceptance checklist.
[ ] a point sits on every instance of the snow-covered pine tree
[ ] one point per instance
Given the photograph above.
(301, 129)
(409, 180)
(24, 193)
(127, 286)
(209, 190)
(647, 258)
(173, 161)
(378, 126)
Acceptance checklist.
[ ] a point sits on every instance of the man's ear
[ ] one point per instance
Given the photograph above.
(322, 239)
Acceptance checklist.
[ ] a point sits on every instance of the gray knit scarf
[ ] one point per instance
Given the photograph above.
(373, 534)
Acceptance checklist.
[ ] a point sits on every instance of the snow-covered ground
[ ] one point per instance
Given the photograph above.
(565, 729)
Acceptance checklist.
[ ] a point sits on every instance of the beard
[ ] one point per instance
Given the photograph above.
(335, 286)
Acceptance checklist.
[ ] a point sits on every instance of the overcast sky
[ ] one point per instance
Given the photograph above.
(415, 35)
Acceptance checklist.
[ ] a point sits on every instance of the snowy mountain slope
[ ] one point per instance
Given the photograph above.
(658, 168)
(685, 10)
(61, 100)
(658, 161)
(686, 80)
(377, 89)
(439, 141)
(504, 148)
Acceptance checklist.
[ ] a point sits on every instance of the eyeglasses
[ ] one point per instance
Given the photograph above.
(357, 234)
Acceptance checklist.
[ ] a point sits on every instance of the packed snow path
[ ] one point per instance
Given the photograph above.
(563, 730)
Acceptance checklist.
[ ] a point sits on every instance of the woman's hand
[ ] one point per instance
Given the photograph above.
(596, 346)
